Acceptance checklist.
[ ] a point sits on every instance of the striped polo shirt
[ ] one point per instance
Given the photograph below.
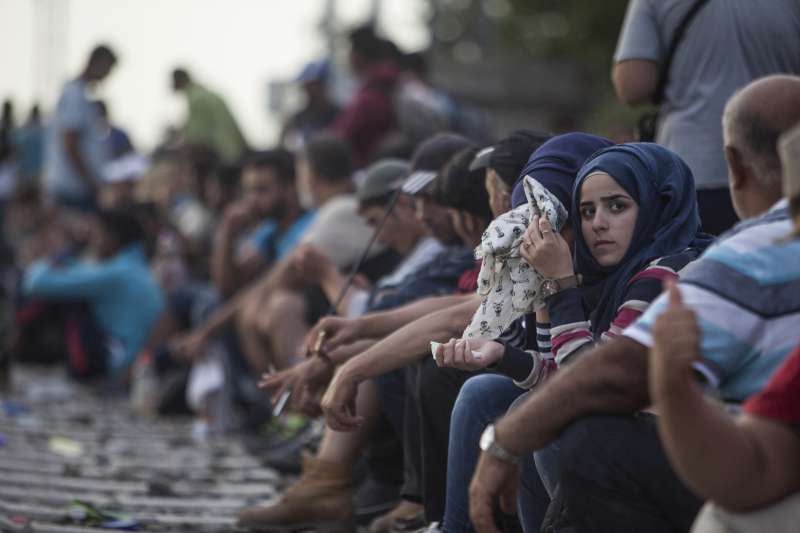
(745, 291)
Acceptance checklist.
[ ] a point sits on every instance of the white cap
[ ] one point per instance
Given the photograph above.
(129, 167)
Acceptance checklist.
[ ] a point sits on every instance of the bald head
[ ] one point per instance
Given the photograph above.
(756, 116)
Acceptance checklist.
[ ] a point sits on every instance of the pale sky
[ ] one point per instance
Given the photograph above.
(233, 46)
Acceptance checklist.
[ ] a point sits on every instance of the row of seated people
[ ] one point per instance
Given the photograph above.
(548, 328)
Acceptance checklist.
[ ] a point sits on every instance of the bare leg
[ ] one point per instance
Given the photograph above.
(347, 446)
(255, 352)
(283, 325)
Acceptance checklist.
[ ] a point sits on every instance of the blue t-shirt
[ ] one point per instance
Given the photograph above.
(274, 245)
(122, 293)
(745, 291)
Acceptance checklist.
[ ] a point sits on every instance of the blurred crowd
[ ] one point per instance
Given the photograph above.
(530, 331)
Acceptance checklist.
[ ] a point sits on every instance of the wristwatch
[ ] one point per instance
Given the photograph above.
(551, 286)
(491, 446)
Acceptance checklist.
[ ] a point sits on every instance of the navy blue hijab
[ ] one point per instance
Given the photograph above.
(668, 221)
(556, 163)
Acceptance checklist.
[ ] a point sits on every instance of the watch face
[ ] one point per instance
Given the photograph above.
(549, 287)
(487, 438)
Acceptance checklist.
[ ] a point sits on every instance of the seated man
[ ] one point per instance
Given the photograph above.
(747, 467)
(116, 288)
(323, 494)
(627, 484)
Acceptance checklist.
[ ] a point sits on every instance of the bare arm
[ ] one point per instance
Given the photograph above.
(72, 147)
(340, 331)
(717, 455)
(224, 314)
(611, 378)
(405, 345)
(230, 270)
(402, 347)
(383, 323)
(635, 81)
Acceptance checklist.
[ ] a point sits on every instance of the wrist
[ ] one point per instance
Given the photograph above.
(673, 384)
(352, 371)
(491, 446)
(505, 436)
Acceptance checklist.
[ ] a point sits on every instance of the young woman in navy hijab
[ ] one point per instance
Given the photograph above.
(634, 219)
(636, 224)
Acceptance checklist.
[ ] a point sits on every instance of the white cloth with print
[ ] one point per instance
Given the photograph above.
(509, 288)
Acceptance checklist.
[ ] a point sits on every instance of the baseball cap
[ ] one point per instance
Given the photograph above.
(430, 157)
(509, 155)
(382, 178)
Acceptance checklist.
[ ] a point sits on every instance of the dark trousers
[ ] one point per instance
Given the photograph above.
(615, 477)
(431, 395)
(50, 332)
(716, 210)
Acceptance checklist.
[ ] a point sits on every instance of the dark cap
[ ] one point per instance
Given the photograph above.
(382, 178)
(430, 157)
(508, 156)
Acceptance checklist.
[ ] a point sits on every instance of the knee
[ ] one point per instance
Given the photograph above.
(281, 304)
(481, 393)
(587, 446)
(247, 317)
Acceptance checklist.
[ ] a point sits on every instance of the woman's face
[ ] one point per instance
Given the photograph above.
(608, 218)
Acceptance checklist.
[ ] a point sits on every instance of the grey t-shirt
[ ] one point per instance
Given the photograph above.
(728, 44)
(74, 112)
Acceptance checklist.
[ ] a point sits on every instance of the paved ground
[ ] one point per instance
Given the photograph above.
(60, 443)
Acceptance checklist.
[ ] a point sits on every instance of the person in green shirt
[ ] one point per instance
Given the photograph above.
(209, 120)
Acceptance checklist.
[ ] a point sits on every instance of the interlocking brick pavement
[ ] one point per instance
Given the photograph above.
(60, 442)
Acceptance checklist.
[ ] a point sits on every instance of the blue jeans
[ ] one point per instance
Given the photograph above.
(482, 399)
(615, 477)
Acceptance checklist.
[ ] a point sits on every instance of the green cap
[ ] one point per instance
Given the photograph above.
(382, 178)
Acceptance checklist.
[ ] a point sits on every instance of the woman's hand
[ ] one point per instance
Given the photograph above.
(546, 251)
(457, 353)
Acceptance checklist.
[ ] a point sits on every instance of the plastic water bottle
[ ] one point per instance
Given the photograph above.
(144, 391)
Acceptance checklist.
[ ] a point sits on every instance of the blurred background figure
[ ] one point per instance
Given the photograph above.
(318, 112)
(370, 117)
(209, 121)
(76, 152)
(757, 39)
(29, 148)
(118, 143)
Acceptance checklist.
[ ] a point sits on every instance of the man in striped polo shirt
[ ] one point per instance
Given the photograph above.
(745, 291)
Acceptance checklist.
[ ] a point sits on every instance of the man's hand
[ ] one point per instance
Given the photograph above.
(546, 251)
(339, 402)
(457, 353)
(310, 264)
(189, 347)
(676, 345)
(305, 381)
(238, 216)
(338, 331)
(493, 479)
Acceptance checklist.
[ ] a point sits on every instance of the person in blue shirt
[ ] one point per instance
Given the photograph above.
(114, 286)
